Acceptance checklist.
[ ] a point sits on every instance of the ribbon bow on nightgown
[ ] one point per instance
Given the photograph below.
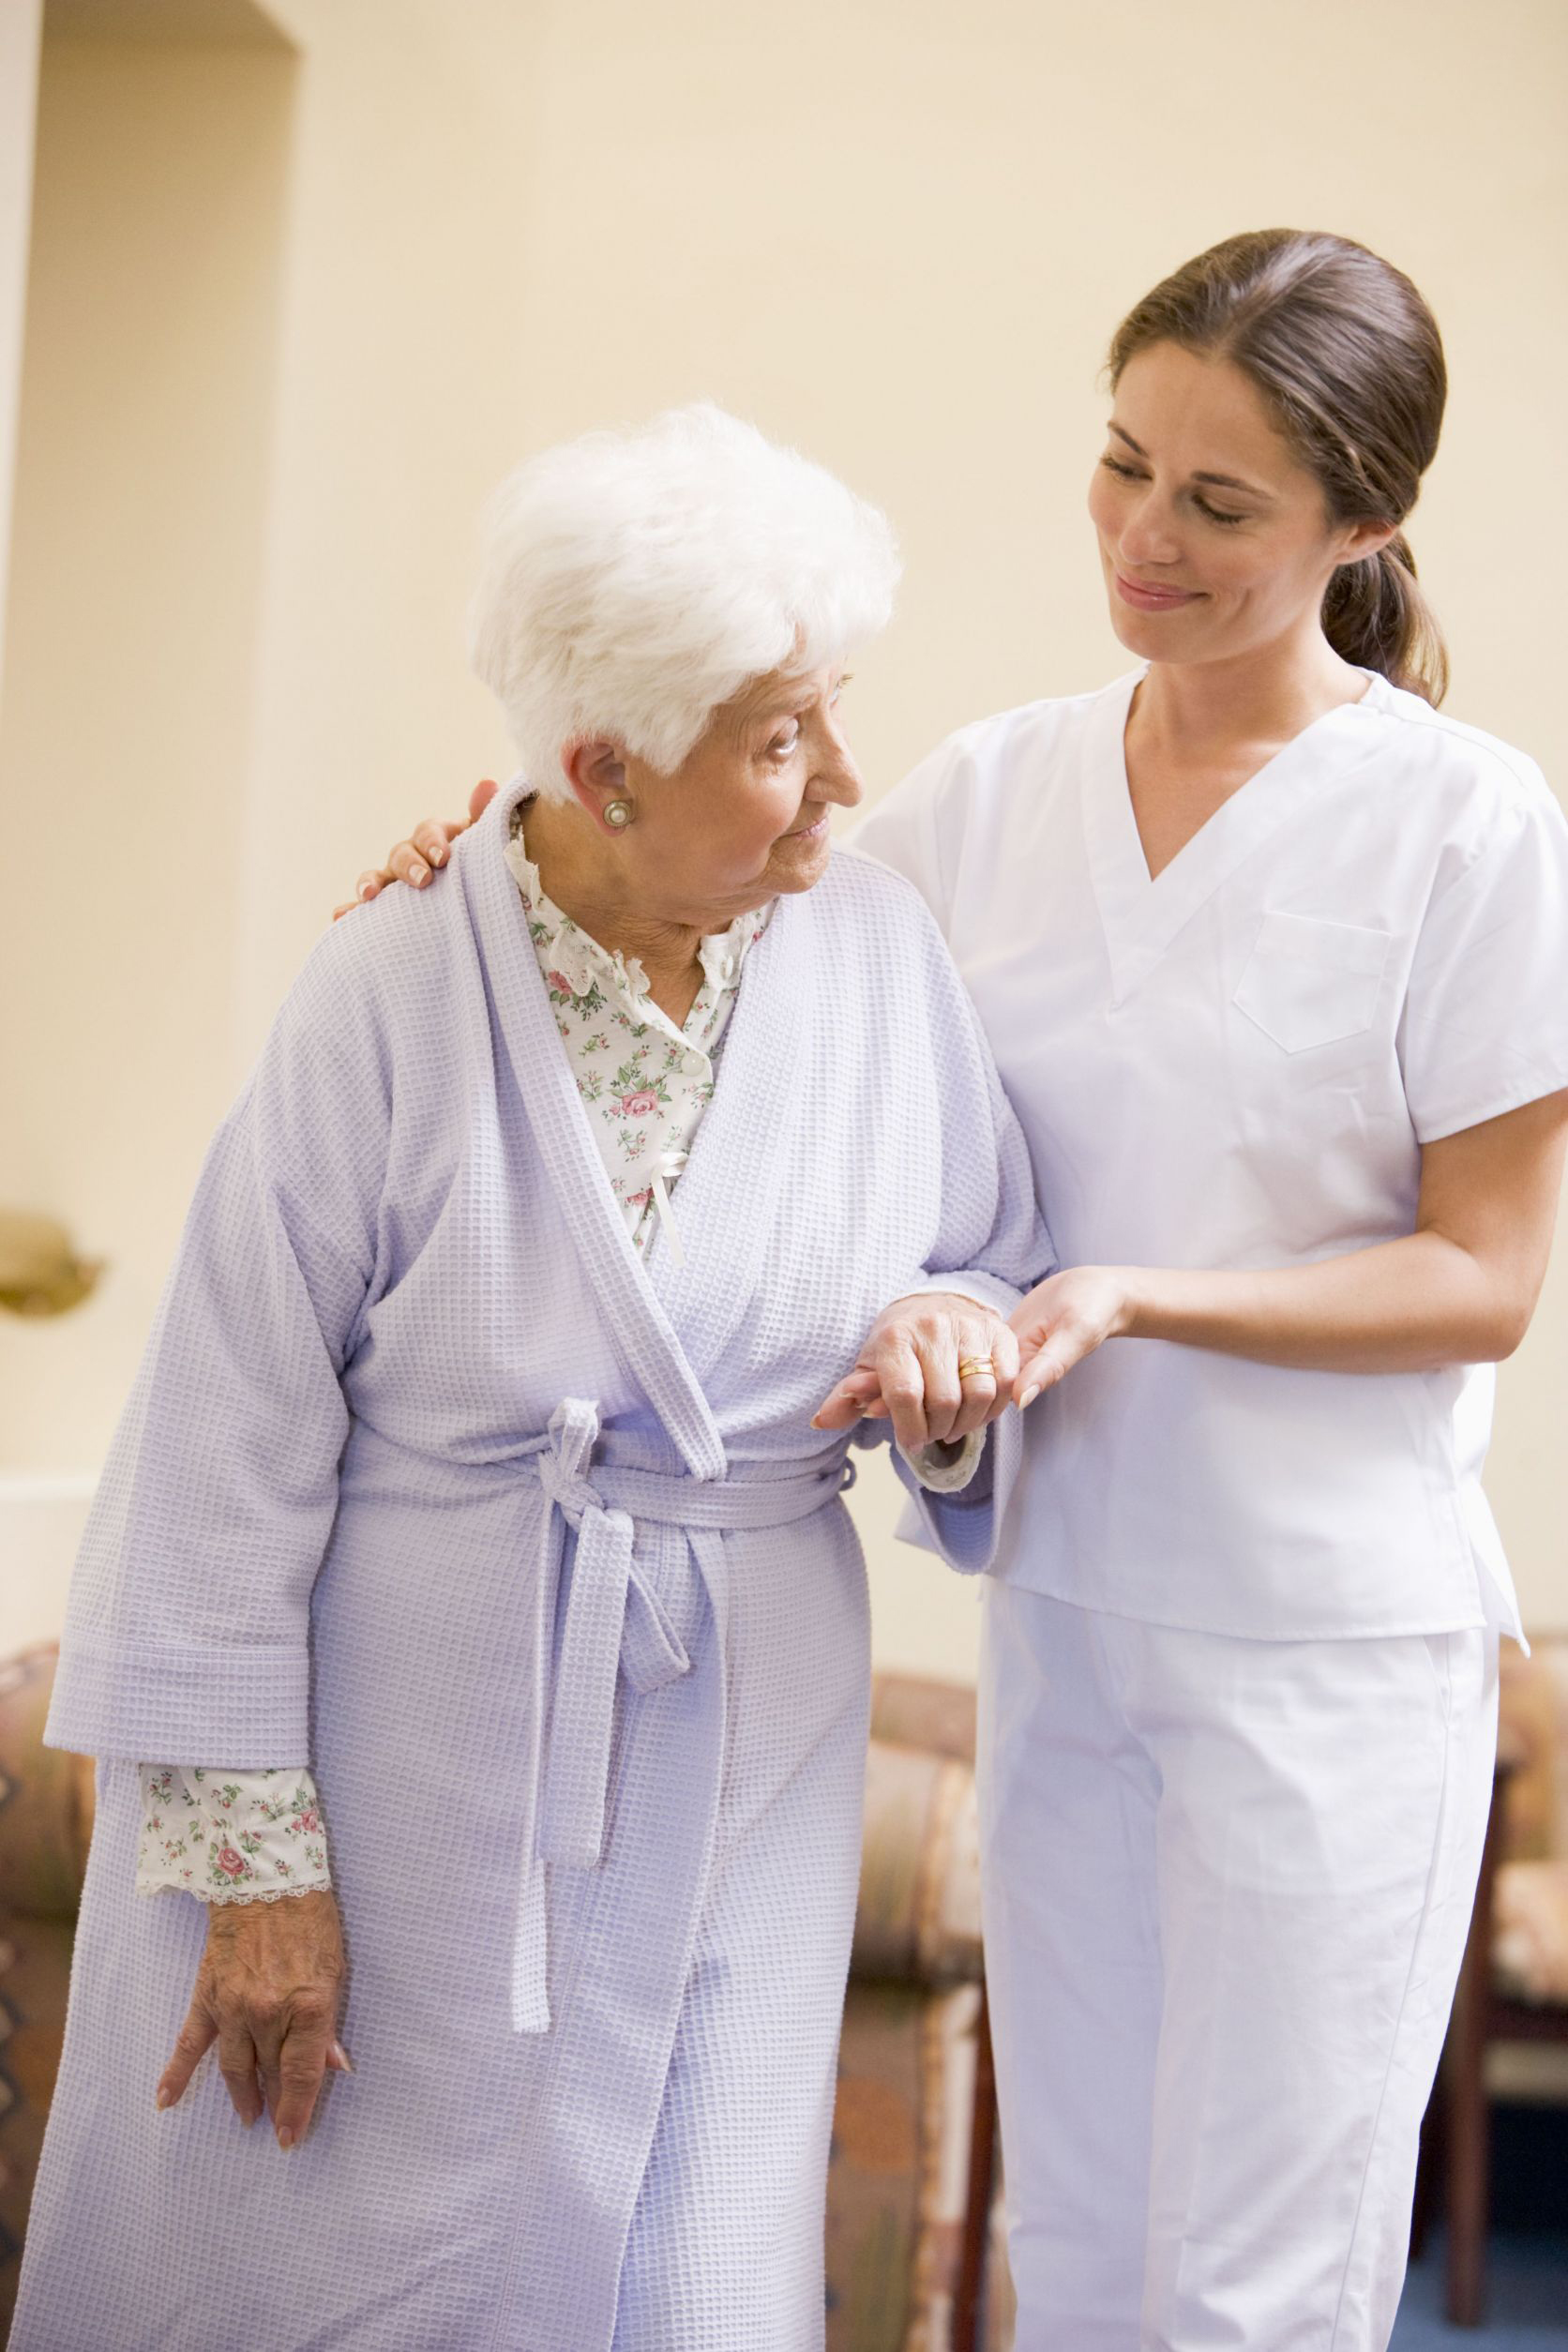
(615, 1624)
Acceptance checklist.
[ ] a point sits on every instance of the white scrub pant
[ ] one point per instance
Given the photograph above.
(1226, 1889)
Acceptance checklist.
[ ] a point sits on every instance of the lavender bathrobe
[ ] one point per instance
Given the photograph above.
(527, 1546)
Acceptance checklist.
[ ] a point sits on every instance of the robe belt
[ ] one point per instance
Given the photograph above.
(614, 1624)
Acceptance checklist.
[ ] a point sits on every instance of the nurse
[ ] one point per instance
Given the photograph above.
(1273, 960)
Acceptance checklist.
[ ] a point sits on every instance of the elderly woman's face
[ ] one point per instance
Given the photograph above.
(745, 815)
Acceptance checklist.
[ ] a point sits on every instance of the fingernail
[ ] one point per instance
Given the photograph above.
(1028, 1397)
(165, 2097)
(343, 2057)
(438, 856)
(367, 890)
(285, 2138)
(419, 876)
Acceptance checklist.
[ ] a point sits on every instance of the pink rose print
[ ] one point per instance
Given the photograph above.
(305, 1823)
(231, 1863)
(560, 983)
(639, 1104)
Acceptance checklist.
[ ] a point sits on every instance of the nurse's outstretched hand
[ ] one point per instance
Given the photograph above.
(1065, 1319)
(427, 848)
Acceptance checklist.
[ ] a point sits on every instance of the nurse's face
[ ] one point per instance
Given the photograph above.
(1214, 538)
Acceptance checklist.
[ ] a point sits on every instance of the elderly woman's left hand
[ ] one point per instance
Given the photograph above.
(937, 1364)
(266, 1992)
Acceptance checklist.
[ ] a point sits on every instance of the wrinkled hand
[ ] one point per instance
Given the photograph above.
(907, 1371)
(1065, 1319)
(428, 846)
(266, 1993)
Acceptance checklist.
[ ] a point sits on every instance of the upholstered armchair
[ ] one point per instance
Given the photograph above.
(914, 2261)
(909, 2192)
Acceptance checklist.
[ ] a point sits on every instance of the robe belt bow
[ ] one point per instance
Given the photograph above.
(614, 1624)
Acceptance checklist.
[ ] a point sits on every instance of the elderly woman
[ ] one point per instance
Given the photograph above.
(472, 1467)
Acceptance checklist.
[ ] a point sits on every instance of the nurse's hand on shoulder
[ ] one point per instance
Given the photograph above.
(427, 848)
(267, 1993)
(936, 1364)
(1065, 1319)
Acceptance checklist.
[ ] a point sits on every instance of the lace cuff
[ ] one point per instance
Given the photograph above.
(946, 1469)
(229, 1837)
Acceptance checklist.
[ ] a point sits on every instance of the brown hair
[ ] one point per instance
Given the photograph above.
(1348, 358)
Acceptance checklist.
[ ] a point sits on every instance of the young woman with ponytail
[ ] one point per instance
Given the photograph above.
(1274, 961)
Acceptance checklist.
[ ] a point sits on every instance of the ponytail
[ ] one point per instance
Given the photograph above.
(1376, 616)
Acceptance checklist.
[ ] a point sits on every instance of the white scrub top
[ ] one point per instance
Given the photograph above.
(1236, 1064)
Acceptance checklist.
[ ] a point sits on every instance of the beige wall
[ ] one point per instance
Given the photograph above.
(136, 597)
(897, 234)
(21, 29)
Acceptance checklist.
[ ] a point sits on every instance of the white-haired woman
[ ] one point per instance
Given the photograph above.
(469, 1499)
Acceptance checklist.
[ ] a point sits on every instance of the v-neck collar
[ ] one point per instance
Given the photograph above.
(756, 1087)
(633, 1312)
(1143, 914)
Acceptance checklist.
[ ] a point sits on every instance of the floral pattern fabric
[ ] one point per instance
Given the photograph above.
(229, 1837)
(645, 1080)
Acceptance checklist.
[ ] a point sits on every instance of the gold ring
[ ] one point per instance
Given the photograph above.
(974, 1367)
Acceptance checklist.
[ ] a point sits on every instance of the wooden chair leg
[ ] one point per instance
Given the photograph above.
(1468, 2120)
(1427, 2205)
(981, 2183)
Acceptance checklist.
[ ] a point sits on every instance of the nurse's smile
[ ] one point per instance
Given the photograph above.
(1147, 599)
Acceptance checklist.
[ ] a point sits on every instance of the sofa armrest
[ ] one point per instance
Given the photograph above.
(918, 1919)
(46, 1799)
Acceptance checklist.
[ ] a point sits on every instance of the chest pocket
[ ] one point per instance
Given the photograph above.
(1309, 983)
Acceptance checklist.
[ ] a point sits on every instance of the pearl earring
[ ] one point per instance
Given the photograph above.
(618, 813)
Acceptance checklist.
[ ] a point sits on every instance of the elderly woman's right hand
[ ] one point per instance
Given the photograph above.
(267, 1993)
(413, 860)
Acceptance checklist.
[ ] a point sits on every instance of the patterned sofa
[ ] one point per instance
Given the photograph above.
(906, 2198)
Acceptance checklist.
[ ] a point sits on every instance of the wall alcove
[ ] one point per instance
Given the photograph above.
(144, 413)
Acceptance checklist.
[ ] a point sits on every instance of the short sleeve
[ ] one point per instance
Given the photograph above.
(1486, 1023)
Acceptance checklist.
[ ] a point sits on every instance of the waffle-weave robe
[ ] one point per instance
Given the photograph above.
(426, 1469)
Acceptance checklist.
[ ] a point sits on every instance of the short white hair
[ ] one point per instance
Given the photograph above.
(633, 581)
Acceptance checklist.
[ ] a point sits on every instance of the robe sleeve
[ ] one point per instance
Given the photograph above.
(990, 1242)
(186, 1631)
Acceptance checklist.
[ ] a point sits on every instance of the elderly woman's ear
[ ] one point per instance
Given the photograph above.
(596, 771)
(426, 848)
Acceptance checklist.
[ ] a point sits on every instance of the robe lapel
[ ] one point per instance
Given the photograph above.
(634, 1316)
(727, 1202)
(1142, 917)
